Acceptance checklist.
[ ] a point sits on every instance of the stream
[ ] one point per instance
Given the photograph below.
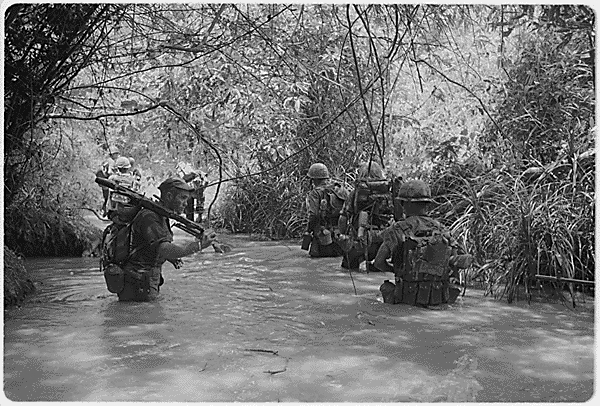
(266, 323)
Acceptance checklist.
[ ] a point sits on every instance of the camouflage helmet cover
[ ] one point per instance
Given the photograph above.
(370, 170)
(415, 191)
(122, 162)
(318, 171)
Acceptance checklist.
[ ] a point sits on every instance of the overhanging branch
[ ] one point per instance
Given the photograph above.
(99, 116)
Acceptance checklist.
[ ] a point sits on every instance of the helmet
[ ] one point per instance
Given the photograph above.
(122, 162)
(318, 171)
(131, 161)
(415, 191)
(374, 172)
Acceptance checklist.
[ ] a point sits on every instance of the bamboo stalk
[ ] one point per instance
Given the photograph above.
(559, 279)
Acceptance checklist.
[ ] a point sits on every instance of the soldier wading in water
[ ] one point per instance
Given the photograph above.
(423, 254)
(139, 242)
(323, 204)
(369, 209)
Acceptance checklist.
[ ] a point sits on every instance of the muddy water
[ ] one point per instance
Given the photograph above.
(265, 323)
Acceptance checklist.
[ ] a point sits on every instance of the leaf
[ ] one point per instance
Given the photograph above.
(286, 101)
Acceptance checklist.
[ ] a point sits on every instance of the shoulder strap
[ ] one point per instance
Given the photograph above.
(130, 225)
(406, 229)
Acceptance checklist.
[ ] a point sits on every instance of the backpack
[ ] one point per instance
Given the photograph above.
(333, 200)
(426, 249)
(375, 198)
(422, 266)
(116, 250)
(116, 200)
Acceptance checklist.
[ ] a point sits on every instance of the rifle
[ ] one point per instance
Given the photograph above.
(183, 223)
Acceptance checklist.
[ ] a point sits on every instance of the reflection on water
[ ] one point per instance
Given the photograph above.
(266, 323)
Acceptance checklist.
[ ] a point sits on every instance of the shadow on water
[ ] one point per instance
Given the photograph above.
(266, 323)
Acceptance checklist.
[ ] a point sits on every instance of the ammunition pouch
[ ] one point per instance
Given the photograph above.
(140, 280)
(423, 292)
(410, 289)
(114, 276)
(374, 237)
(387, 291)
(437, 294)
(314, 250)
(306, 239)
(399, 291)
(324, 237)
(432, 291)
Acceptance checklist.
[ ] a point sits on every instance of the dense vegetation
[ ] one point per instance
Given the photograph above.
(492, 104)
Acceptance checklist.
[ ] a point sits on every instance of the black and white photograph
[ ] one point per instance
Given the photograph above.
(252, 202)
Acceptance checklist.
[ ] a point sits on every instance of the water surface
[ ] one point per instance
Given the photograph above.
(265, 323)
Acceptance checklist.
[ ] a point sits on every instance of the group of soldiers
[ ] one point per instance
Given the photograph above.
(139, 240)
(121, 170)
(385, 223)
(381, 222)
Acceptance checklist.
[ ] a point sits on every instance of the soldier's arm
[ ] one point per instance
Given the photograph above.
(172, 252)
(154, 232)
(383, 254)
(460, 258)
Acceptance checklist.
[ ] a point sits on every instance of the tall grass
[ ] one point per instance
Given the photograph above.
(270, 206)
(519, 225)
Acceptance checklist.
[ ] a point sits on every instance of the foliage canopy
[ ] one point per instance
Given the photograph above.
(469, 97)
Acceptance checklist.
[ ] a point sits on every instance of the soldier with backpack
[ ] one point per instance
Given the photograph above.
(423, 254)
(369, 209)
(113, 155)
(116, 207)
(199, 181)
(323, 204)
(135, 248)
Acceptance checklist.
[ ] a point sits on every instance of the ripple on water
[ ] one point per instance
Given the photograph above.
(325, 343)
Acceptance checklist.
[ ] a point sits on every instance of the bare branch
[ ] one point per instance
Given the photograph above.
(98, 117)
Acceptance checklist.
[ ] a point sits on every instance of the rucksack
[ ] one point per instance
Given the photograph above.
(116, 250)
(422, 266)
(375, 198)
(333, 200)
(426, 249)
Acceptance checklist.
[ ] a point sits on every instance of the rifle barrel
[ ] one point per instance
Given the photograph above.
(195, 233)
(105, 182)
(186, 225)
(183, 223)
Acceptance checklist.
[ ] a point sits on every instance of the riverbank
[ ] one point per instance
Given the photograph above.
(17, 281)
(71, 236)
